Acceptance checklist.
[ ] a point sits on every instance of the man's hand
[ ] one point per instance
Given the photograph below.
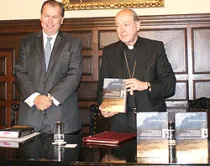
(42, 102)
(133, 84)
(107, 114)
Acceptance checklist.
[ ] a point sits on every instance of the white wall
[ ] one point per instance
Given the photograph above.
(30, 9)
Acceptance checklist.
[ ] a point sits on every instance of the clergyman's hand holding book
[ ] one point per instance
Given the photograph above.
(16, 131)
(114, 95)
(108, 138)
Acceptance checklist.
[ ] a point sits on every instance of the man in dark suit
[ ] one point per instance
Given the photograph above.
(48, 88)
(149, 77)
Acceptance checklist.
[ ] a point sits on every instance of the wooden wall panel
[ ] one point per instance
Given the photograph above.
(201, 50)
(87, 91)
(201, 88)
(181, 91)
(15, 93)
(106, 38)
(175, 44)
(3, 116)
(201, 61)
(87, 66)
(3, 91)
(2, 64)
(6, 79)
(186, 40)
(85, 36)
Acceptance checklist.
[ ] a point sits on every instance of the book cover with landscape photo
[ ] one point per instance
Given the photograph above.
(152, 136)
(114, 95)
(191, 137)
(191, 125)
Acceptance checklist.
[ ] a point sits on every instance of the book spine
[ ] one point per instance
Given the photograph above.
(25, 132)
(9, 144)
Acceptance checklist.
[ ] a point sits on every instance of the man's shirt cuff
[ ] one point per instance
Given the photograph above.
(55, 101)
(31, 98)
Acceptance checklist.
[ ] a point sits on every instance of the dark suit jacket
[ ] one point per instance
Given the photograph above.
(61, 80)
(152, 65)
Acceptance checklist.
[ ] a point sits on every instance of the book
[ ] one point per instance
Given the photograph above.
(152, 125)
(15, 142)
(114, 95)
(16, 131)
(191, 137)
(192, 151)
(152, 136)
(108, 138)
(150, 160)
(9, 144)
(100, 145)
(191, 125)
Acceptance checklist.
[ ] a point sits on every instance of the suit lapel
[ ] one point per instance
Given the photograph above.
(40, 49)
(55, 52)
(119, 60)
(141, 60)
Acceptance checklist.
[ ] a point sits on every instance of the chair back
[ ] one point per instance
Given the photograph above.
(14, 114)
(97, 122)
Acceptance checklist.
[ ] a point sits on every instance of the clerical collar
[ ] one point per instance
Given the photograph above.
(126, 47)
(130, 47)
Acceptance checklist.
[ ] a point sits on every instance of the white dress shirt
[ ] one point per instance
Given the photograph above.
(31, 98)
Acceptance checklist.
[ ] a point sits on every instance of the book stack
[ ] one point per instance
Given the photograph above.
(12, 136)
(191, 137)
(152, 137)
